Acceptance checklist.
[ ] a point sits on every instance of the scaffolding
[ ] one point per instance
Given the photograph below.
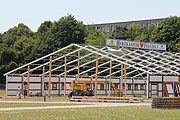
(96, 61)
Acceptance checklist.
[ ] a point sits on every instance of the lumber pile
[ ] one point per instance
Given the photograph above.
(166, 102)
(108, 98)
(11, 97)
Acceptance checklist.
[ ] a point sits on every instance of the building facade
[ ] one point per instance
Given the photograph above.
(109, 27)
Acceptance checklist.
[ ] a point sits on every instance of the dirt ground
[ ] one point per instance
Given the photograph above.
(88, 104)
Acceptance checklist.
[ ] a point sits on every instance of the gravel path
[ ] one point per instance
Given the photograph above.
(90, 104)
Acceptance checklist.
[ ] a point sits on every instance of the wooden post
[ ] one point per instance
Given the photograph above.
(65, 76)
(22, 85)
(59, 85)
(28, 80)
(110, 77)
(43, 80)
(50, 68)
(106, 86)
(96, 74)
(121, 92)
(78, 63)
(133, 86)
(162, 86)
(124, 80)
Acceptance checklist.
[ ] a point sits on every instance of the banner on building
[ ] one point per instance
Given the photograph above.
(135, 44)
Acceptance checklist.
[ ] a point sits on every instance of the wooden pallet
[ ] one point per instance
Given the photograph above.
(81, 98)
(11, 97)
(166, 102)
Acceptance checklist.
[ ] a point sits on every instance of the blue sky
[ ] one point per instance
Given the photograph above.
(33, 12)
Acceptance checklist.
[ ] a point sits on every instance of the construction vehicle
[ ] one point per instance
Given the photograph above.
(80, 88)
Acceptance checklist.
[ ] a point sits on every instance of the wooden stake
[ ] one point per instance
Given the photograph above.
(43, 80)
(124, 79)
(96, 74)
(110, 77)
(121, 90)
(78, 63)
(50, 68)
(65, 76)
(28, 80)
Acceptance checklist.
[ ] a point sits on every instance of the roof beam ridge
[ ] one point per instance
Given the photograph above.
(93, 68)
(173, 58)
(166, 56)
(171, 54)
(38, 59)
(115, 59)
(46, 63)
(80, 66)
(67, 63)
(105, 70)
(130, 60)
(161, 61)
(149, 52)
(84, 63)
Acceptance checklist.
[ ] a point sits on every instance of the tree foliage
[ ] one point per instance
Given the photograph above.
(20, 45)
(121, 32)
(95, 37)
(168, 32)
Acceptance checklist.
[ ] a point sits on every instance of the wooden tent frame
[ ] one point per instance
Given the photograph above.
(138, 63)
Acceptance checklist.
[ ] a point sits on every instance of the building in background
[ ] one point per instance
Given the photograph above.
(109, 27)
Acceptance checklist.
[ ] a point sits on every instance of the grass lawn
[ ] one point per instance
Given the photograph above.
(2, 92)
(56, 97)
(118, 113)
(11, 105)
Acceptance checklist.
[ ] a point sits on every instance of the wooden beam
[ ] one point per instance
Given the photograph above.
(96, 74)
(78, 63)
(124, 80)
(43, 80)
(121, 90)
(50, 68)
(110, 78)
(65, 76)
(28, 80)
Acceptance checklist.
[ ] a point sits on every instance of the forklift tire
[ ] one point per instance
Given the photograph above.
(70, 95)
(82, 94)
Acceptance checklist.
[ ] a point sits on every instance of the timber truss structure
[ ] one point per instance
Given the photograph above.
(139, 62)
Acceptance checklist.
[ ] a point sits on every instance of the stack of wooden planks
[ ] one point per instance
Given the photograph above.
(105, 98)
(166, 102)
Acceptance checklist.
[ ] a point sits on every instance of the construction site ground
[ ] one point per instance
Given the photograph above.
(79, 104)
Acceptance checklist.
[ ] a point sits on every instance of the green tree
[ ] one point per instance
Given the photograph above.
(52, 36)
(7, 58)
(15, 33)
(134, 31)
(23, 48)
(43, 41)
(168, 33)
(120, 32)
(95, 37)
(145, 34)
(68, 30)
(1, 35)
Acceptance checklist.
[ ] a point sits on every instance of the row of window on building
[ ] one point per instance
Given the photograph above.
(101, 86)
(110, 28)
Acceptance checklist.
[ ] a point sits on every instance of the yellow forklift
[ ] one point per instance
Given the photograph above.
(80, 88)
